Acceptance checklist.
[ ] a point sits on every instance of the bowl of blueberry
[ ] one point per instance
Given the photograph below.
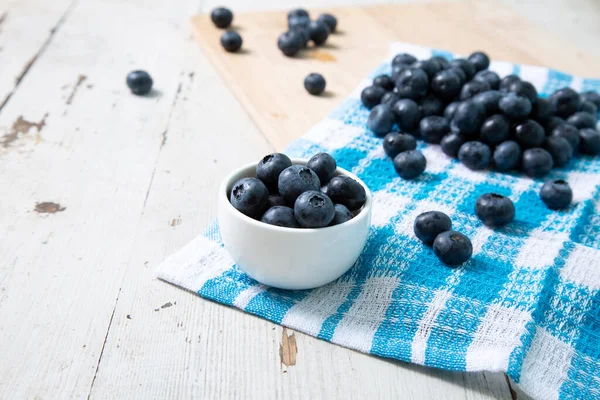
(294, 223)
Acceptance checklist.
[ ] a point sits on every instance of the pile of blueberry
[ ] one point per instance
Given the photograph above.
(297, 196)
(222, 18)
(477, 117)
(301, 30)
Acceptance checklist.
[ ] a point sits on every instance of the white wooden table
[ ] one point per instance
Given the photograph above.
(121, 182)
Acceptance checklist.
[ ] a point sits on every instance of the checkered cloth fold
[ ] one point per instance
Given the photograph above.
(527, 303)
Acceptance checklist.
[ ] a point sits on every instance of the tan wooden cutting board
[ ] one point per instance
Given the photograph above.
(270, 85)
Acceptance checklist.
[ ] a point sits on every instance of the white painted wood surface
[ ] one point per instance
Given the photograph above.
(81, 315)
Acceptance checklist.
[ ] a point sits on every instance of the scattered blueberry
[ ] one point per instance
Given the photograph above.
(493, 209)
(323, 165)
(412, 84)
(450, 110)
(430, 224)
(507, 156)
(295, 180)
(495, 130)
(588, 107)
(298, 12)
(592, 96)
(480, 60)
(472, 88)
(371, 96)
(269, 168)
(560, 150)
(298, 22)
(565, 102)
(381, 120)
(557, 195)
(250, 196)
(451, 144)
(452, 248)
(536, 162)
(514, 106)
(489, 77)
(446, 83)
(568, 132)
(589, 141)
(276, 200)
(530, 134)
(407, 114)
(507, 81)
(329, 20)
(431, 67)
(385, 81)
(139, 82)
(582, 120)
(290, 43)
(221, 17)
(280, 216)
(475, 155)
(489, 100)
(318, 31)
(345, 190)
(433, 128)
(389, 98)
(410, 164)
(231, 41)
(467, 66)
(403, 59)
(468, 118)
(314, 84)
(313, 209)
(525, 89)
(342, 214)
(395, 143)
(431, 105)
(541, 111)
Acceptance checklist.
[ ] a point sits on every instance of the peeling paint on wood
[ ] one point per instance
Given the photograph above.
(322, 55)
(176, 221)
(48, 207)
(22, 126)
(80, 79)
(288, 349)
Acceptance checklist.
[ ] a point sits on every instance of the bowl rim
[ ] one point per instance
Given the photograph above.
(364, 212)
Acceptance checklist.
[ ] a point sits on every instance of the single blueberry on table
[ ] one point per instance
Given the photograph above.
(592, 96)
(582, 120)
(231, 41)
(525, 89)
(446, 83)
(298, 12)
(430, 224)
(250, 196)
(589, 141)
(557, 195)
(344, 190)
(536, 162)
(385, 81)
(280, 216)
(431, 67)
(467, 66)
(507, 81)
(290, 43)
(452, 248)
(298, 22)
(139, 82)
(410, 164)
(221, 17)
(431, 105)
(530, 134)
(507, 156)
(495, 130)
(560, 150)
(407, 114)
(381, 120)
(588, 107)
(450, 110)
(568, 132)
(565, 102)
(269, 168)
(443, 63)
(371, 96)
(395, 143)
(472, 88)
(494, 209)
(480, 60)
(323, 165)
(468, 118)
(314, 84)
(329, 20)
(319, 32)
(342, 214)
(553, 122)
(489, 100)
(295, 180)
(276, 200)
(412, 84)
(433, 128)
(403, 59)
(514, 106)
(475, 155)
(460, 73)
(541, 111)
(313, 209)
(489, 77)
(451, 144)
(389, 98)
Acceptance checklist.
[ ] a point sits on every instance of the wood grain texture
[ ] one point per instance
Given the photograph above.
(269, 85)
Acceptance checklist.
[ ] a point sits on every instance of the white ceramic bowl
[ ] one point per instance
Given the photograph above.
(289, 258)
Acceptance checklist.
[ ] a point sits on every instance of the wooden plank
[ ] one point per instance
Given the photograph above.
(276, 99)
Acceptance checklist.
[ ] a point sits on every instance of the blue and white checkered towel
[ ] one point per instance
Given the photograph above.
(527, 303)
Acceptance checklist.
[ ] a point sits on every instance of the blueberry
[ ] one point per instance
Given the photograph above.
(588, 107)
(430, 224)
(433, 128)
(450, 110)
(589, 141)
(345, 190)
(467, 66)
(507, 81)
(412, 84)
(313, 209)
(314, 84)
(318, 31)
(231, 41)
(472, 88)
(342, 214)
(298, 12)
(276, 200)
(495, 130)
(407, 114)
(295, 180)
(560, 150)
(371, 96)
(221, 17)
(493, 209)
(489, 77)
(460, 73)
(446, 83)
(452, 248)
(298, 22)
(385, 81)
(389, 98)
(250, 196)
(530, 134)
(592, 96)
(565, 102)
(525, 89)
(507, 156)
(468, 118)
(431, 105)
(403, 59)
(410, 164)
(431, 67)
(443, 63)
(395, 143)
(514, 106)
(269, 168)
(304, 35)
(582, 120)
(553, 122)
(541, 111)
(139, 82)
(451, 144)
(480, 60)
(381, 120)
(329, 20)
(489, 100)
(568, 132)
(557, 195)
(290, 43)
(280, 216)
(475, 155)
(323, 165)
(536, 162)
